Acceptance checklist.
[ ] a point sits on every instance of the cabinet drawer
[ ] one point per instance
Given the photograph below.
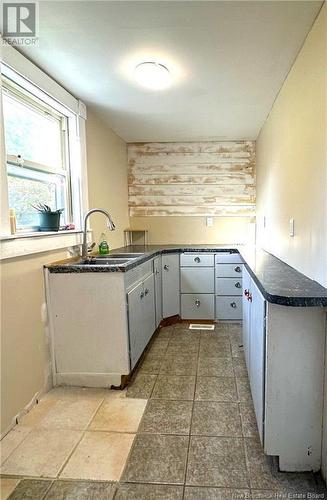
(201, 280)
(228, 286)
(138, 273)
(228, 270)
(228, 258)
(229, 308)
(198, 306)
(197, 259)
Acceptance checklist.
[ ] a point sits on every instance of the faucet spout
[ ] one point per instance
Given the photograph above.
(110, 224)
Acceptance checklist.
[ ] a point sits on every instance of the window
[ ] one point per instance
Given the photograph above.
(38, 144)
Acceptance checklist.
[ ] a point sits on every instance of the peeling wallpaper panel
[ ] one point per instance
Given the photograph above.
(192, 179)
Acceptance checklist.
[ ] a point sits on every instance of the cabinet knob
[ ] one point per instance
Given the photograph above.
(238, 284)
(166, 267)
(237, 269)
(249, 297)
(233, 305)
(141, 295)
(197, 259)
(197, 303)
(146, 291)
(246, 292)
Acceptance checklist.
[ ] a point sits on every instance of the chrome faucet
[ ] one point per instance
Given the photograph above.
(111, 226)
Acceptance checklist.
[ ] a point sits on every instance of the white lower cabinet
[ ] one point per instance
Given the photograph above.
(170, 285)
(141, 317)
(228, 308)
(158, 288)
(228, 286)
(257, 353)
(284, 352)
(197, 286)
(246, 317)
(198, 306)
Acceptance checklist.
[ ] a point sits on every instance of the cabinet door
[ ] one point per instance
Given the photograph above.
(201, 280)
(148, 310)
(246, 317)
(170, 285)
(135, 323)
(257, 354)
(158, 289)
(197, 306)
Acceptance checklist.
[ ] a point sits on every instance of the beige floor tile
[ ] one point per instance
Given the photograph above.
(37, 413)
(10, 442)
(42, 453)
(7, 486)
(119, 415)
(69, 414)
(77, 393)
(99, 456)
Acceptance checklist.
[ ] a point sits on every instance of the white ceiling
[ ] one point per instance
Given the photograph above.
(228, 61)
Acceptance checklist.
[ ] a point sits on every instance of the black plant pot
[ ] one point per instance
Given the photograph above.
(49, 221)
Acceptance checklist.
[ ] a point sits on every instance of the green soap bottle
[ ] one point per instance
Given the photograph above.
(103, 245)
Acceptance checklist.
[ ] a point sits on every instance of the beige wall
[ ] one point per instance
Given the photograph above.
(292, 162)
(107, 179)
(188, 230)
(292, 168)
(24, 352)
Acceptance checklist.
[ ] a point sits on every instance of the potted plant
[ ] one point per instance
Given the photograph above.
(49, 219)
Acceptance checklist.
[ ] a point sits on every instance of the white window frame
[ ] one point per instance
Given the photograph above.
(24, 168)
(25, 74)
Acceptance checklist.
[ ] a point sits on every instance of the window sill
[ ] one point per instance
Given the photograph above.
(17, 245)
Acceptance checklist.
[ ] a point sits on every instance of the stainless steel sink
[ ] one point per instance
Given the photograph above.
(103, 261)
(120, 256)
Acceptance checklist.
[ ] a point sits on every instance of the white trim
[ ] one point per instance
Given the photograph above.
(26, 244)
(18, 68)
(88, 379)
(36, 76)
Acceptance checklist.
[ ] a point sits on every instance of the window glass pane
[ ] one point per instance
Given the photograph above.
(34, 135)
(33, 188)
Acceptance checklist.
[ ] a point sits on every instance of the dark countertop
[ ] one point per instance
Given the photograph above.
(278, 282)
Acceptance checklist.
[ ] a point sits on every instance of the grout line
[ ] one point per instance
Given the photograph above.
(70, 455)
(191, 421)
(96, 411)
(21, 442)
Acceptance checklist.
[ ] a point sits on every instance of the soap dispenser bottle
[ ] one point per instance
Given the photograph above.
(103, 245)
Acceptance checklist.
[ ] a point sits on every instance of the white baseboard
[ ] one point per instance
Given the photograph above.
(88, 379)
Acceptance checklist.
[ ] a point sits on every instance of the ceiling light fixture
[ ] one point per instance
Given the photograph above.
(152, 75)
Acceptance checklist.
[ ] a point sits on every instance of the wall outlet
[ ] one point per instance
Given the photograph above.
(291, 227)
(209, 221)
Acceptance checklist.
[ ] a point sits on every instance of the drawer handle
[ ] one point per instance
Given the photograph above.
(141, 295)
(197, 259)
(233, 305)
(166, 267)
(237, 269)
(197, 303)
(249, 297)
(246, 292)
(238, 284)
(146, 291)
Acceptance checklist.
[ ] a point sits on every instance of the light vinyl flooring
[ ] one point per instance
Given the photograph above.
(184, 429)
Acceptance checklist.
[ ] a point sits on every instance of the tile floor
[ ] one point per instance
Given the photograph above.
(184, 429)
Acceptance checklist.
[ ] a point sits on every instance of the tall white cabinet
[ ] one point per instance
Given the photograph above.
(284, 352)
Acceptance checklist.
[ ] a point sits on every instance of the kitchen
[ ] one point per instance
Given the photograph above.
(213, 184)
